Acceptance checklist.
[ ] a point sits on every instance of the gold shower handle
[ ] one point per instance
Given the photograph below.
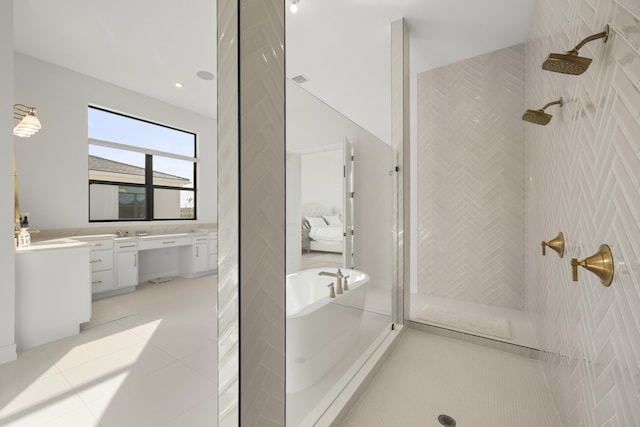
(600, 263)
(557, 244)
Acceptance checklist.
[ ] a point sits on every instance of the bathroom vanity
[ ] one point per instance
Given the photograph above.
(53, 291)
(118, 264)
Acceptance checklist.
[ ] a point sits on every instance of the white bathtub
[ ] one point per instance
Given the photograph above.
(320, 330)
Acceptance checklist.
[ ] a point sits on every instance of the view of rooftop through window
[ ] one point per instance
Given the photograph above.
(139, 170)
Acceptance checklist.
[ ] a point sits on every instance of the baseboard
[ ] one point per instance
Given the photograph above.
(519, 350)
(8, 353)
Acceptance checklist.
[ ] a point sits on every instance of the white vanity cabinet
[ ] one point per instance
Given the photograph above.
(53, 291)
(194, 259)
(101, 260)
(200, 254)
(126, 264)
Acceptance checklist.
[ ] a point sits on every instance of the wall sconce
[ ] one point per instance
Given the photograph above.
(29, 123)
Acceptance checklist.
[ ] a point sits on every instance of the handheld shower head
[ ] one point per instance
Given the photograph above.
(570, 62)
(539, 117)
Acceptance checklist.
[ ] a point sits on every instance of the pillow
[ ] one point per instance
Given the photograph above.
(333, 220)
(315, 221)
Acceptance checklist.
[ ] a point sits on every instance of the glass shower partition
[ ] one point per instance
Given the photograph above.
(339, 252)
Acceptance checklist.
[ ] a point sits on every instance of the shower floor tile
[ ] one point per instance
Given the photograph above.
(428, 375)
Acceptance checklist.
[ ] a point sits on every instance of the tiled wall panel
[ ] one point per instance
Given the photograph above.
(584, 179)
(228, 218)
(262, 213)
(251, 227)
(471, 180)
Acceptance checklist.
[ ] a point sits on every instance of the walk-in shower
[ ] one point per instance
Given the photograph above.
(471, 198)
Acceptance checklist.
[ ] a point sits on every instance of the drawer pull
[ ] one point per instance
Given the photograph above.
(168, 243)
(95, 260)
(96, 282)
(127, 246)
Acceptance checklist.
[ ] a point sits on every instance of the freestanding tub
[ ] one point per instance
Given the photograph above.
(320, 330)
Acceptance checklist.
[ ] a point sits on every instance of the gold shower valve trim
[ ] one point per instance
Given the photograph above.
(557, 244)
(600, 263)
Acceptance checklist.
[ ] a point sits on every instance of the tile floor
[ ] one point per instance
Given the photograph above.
(148, 358)
(427, 375)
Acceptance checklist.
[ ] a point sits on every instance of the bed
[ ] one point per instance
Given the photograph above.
(326, 232)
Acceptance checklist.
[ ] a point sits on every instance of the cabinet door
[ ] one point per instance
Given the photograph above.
(200, 258)
(127, 269)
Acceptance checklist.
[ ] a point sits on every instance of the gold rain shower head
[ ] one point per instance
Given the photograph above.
(570, 62)
(539, 117)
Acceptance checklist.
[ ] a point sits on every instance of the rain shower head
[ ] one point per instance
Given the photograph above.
(570, 62)
(539, 117)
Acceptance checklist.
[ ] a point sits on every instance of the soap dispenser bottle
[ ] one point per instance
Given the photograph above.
(24, 238)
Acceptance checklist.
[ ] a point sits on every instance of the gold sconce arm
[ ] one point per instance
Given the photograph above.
(600, 263)
(557, 244)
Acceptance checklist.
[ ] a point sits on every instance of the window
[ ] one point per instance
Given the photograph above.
(138, 170)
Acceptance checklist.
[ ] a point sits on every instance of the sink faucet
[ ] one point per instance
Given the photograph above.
(338, 277)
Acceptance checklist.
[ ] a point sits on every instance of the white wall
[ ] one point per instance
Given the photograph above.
(321, 179)
(53, 168)
(471, 172)
(583, 179)
(7, 275)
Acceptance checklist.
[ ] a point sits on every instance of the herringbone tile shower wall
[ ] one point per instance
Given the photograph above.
(471, 180)
(583, 173)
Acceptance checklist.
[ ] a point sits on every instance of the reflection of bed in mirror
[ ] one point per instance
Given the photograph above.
(325, 228)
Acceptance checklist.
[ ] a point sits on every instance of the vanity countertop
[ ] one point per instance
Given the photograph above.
(54, 244)
(86, 240)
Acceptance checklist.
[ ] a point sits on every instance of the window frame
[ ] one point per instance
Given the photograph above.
(148, 184)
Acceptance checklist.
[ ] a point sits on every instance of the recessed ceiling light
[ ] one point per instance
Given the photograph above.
(178, 84)
(205, 75)
(300, 79)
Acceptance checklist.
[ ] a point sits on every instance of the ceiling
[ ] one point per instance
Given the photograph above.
(341, 46)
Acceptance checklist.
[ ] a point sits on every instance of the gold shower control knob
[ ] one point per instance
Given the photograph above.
(557, 244)
(600, 264)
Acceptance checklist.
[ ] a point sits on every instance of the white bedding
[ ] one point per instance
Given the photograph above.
(328, 233)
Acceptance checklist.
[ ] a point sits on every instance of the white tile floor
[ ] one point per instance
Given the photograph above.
(427, 375)
(148, 358)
